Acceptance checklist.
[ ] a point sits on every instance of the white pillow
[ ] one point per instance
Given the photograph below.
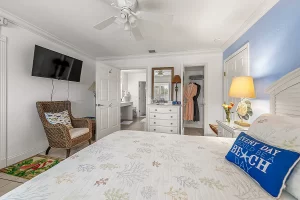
(59, 118)
(283, 132)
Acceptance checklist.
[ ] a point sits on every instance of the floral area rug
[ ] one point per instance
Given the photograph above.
(31, 167)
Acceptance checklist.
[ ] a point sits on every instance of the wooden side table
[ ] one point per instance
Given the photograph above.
(231, 129)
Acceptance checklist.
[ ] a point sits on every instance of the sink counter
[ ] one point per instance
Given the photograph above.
(124, 104)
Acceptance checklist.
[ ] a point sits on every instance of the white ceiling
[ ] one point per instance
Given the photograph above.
(197, 23)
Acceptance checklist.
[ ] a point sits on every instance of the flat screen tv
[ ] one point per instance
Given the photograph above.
(54, 65)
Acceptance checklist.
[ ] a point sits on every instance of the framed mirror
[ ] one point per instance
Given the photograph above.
(162, 87)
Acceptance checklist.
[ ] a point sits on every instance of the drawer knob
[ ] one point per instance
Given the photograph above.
(171, 130)
(170, 110)
(155, 109)
(171, 123)
(171, 116)
(154, 115)
(154, 123)
(154, 129)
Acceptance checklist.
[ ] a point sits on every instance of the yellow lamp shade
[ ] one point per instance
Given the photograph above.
(242, 87)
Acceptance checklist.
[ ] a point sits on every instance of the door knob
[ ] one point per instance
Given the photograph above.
(99, 105)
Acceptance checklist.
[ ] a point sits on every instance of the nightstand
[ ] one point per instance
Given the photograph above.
(230, 130)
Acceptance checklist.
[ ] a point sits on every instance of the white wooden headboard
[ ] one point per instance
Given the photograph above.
(285, 95)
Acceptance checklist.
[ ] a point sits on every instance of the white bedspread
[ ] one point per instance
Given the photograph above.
(130, 165)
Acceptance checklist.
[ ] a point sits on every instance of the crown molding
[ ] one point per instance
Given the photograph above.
(166, 54)
(259, 13)
(38, 31)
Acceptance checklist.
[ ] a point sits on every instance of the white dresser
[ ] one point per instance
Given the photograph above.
(164, 118)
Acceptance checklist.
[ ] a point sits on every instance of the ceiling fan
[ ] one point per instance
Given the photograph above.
(130, 15)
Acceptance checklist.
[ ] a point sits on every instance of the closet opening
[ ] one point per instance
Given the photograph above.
(193, 100)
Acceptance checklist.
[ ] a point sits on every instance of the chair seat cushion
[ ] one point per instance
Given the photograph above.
(76, 132)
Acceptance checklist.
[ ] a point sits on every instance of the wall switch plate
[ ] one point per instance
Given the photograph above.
(3, 21)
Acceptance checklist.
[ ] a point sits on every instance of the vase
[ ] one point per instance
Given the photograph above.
(228, 117)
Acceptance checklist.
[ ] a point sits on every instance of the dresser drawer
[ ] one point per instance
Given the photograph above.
(161, 129)
(159, 122)
(164, 110)
(163, 116)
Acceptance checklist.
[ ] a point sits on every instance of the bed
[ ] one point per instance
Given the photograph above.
(141, 165)
(131, 165)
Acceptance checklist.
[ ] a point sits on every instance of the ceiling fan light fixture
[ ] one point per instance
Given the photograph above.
(127, 27)
(132, 19)
(123, 16)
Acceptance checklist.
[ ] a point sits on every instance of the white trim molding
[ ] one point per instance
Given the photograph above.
(259, 13)
(3, 105)
(27, 154)
(38, 31)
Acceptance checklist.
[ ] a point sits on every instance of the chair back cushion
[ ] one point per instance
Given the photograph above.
(59, 118)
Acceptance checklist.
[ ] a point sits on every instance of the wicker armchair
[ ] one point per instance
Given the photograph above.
(59, 136)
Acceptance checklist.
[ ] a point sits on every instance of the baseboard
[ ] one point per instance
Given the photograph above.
(17, 158)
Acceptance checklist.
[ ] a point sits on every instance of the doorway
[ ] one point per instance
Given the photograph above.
(134, 98)
(194, 76)
(235, 65)
(142, 98)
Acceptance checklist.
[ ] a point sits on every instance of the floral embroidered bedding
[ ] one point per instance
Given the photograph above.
(129, 165)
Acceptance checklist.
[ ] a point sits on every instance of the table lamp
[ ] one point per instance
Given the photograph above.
(176, 79)
(243, 87)
(92, 88)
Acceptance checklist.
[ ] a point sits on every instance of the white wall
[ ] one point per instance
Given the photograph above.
(25, 133)
(213, 62)
(133, 87)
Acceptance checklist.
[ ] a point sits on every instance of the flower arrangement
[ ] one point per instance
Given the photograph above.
(227, 108)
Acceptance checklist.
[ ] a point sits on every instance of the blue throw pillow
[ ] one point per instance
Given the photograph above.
(268, 165)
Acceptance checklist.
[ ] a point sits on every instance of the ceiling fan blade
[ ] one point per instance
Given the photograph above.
(163, 19)
(105, 23)
(137, 34)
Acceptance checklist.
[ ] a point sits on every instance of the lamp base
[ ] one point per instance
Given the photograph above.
(243, 124)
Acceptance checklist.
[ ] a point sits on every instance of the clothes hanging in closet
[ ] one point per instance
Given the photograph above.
(196, 106)
(189, 92)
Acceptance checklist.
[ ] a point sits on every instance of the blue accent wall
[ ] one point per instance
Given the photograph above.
(274, 45)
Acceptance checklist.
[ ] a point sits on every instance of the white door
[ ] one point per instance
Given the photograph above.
(107, 100)
(3, 97)
(142, 98)
(236, 65)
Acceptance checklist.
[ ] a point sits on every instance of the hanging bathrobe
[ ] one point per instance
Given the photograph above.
(196, 106)
(189, 92)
